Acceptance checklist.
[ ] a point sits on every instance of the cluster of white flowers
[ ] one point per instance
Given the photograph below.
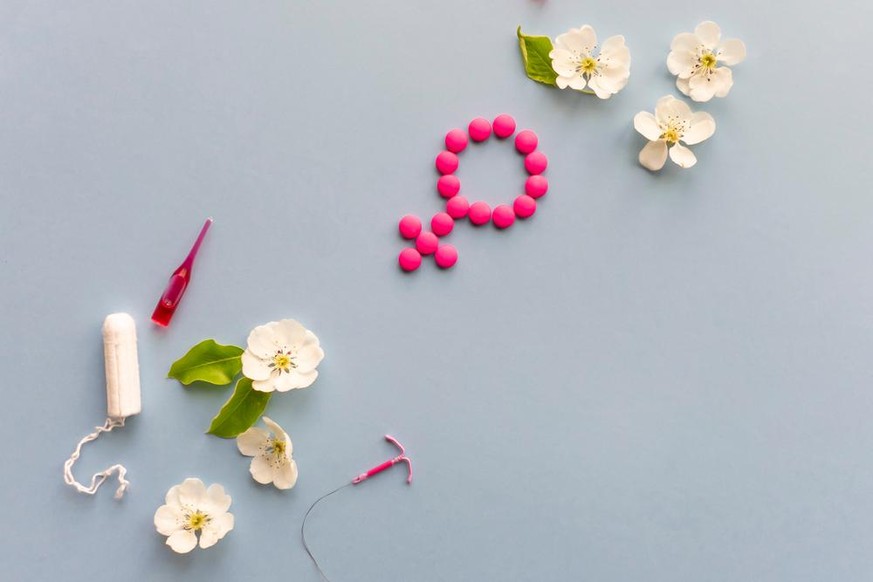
(280, 356)
(700, 60)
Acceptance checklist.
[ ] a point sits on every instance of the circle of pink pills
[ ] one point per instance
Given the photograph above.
(457, 207)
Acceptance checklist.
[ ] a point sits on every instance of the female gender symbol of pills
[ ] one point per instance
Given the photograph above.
(458, 207)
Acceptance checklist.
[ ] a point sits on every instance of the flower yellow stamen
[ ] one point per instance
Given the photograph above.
(283, 362)
(588, 65)
(279, 447)
(672, 135)
(708, 61)
(197, 521)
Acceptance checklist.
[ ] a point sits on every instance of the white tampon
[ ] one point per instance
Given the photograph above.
(122, 396)
(122, 366)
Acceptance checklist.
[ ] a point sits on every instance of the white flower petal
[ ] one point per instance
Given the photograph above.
(645, 123)
(601, 87)
(563, 62)
(578, 82)
(191, 492)
(669, 109)
(250, 442)
(705, 87)
(294, 380)
(709, 34)
(686, 42)
(683, 85)
(216, 529)
(702, 128)
(562, 82)
(168, 520)
(217, 501)
(724, 80)
(261, 470)
(731, 52)
(290, 333)
(286, 476)
(654, 155)
(308, 357)
(262, 341)
(255, 367)
(684, 157)
(578, 40)
(681, 63)
(182, 541)
(264, 385)
(280, 434)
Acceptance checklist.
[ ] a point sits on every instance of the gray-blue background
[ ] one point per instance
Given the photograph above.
(658, 377)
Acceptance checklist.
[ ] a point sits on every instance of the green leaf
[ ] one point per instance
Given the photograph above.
(208, 362)
(535, 54)
(241, 411)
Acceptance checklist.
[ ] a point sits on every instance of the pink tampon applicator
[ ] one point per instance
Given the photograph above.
(179, 280)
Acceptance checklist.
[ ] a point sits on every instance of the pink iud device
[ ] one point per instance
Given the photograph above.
(401, 458)
(179, 280)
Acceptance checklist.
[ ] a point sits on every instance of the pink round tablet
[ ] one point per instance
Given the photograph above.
(409, 259)
(427, 243)
(446, 256)
(480, 213)
(504, 126)
(526, 141)
(457, 207)
(536, 186)
(536, 163)
(442, 224)
(410, 226)
(456, 141)
(448, 185)
(446, 162)
(480, 129)
(503, 216)
(524, 206)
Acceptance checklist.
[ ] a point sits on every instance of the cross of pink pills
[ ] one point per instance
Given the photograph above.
(458, 207)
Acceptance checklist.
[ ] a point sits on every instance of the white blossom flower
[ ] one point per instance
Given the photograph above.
(281, 355)
(579, 65)
(672, 123)
(695, 58)
(272, 450)
(192, 508)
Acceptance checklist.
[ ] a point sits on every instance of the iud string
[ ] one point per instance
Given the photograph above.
(401, 458)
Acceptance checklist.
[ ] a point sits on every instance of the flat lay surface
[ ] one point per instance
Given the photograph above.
(655, 377)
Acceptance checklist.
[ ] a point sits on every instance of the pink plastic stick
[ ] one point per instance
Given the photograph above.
(401, 458)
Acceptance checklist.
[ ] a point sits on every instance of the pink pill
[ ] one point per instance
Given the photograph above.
(457, 207)
(524, 206)
(427, 243)
(480, 129)
(480, 213)
(503, 216)
(456, 141)
(504, 126)
(446, 256)
(536, 163)
(410, 226)
(526, 141)
(536, 186)
(446, 162)
(409, 259)
(448, 185)
(441, 224)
